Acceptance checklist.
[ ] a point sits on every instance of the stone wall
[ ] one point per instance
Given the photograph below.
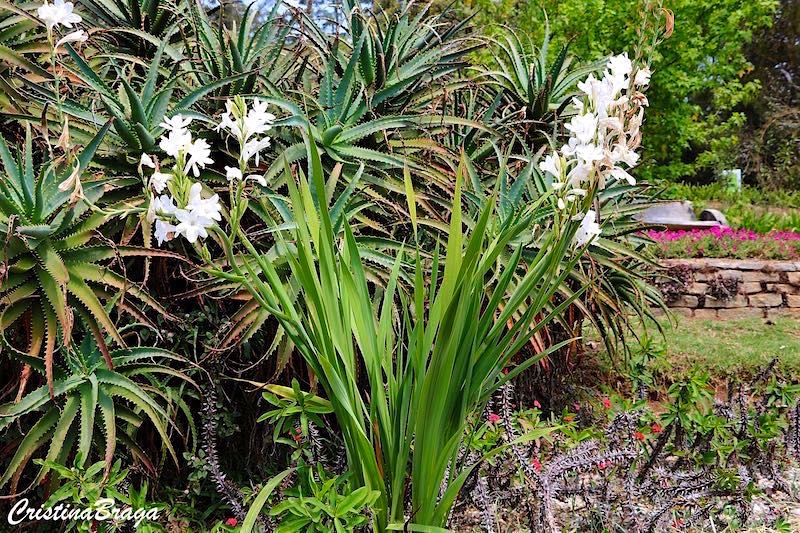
(762, 288)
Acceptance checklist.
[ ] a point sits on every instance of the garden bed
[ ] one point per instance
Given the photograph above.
(725, 242)
(732, 288)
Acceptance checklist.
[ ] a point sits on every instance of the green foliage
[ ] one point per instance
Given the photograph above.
(530, 79)
(294, 409)
(86, 487)
(718, 192)
(451, 357)
(699, 82)
(321, 504)
(86, 395)
(744, 216)
(53, 266)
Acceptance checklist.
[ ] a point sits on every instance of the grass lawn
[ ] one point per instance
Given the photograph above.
(726, 347)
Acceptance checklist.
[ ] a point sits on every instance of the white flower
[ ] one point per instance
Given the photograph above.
(243, 123)
(178, 122)
(601, 93)
(233, 173)
(620, 66)
(578, 104)
(623, 153)
(164, 205)
(551, 164)
(164, 231)
(79, 36)
(146, 161)
(59, 12)
(588, 229)
(613, 124)
(176, 141)
(226, 121)
(192, 225)
(583, 127)
(208, 208)
(258, 120)
(589, 153)
(159, 180)
(579, 173)
(199, 152)
(254, 147)
(620, 174)
(642, 77)
(261, 180)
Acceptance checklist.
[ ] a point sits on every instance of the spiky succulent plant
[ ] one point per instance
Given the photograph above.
(85, 396)
(55, 263)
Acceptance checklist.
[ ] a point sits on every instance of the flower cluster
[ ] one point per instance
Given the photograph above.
(182, 209)
(246, 125)
(60, 13)
(604, 136)
(177, 204)
(725, 242)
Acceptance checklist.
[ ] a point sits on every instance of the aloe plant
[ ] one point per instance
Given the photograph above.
(248, 48)
(87, 396)
(535, 87)
(430, 362)
(54, 268)
(137, 27)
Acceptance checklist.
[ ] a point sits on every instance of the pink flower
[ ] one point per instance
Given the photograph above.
(232, 522)
(537, 465)
(493, 418)
(602, 465)
(606, 403)
(536, 404)
(656, 428)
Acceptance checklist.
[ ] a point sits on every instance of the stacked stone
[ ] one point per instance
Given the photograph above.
(765, 288)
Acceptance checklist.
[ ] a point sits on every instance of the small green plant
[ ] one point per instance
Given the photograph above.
(321, 504)
(96, 487)
(86, 396)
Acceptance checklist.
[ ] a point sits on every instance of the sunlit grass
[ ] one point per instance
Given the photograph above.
(724, 348)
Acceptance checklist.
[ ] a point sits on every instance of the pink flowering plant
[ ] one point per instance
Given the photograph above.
(725, 242)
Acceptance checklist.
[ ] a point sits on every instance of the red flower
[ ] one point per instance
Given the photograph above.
(638, 435)
(602, 465)
(231, 522)
(536, 404)
(656, 428)
(606, 403)
(494, 418)
(537, 465)
(505, 371)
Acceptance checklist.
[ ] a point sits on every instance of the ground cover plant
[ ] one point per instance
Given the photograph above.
(266, 272)
(723, 241)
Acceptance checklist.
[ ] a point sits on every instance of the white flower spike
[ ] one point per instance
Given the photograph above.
(79, 36)
(59, 13)
(588, 230)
